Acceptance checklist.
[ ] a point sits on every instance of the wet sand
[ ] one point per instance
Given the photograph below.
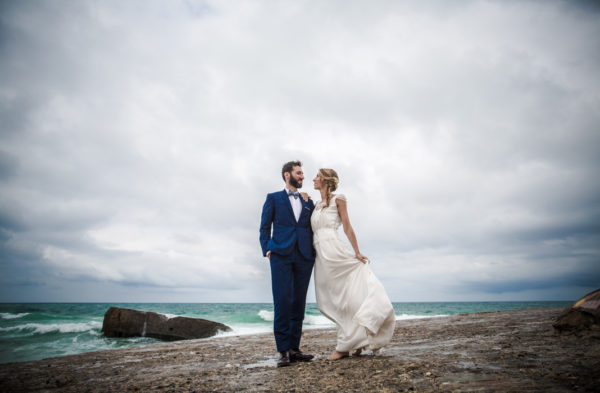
(508, 351)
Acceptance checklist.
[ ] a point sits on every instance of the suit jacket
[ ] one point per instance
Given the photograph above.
(278, 214)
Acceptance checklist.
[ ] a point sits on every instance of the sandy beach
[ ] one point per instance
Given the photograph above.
(508, 351)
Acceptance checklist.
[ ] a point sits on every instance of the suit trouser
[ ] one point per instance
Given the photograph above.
(290, 276)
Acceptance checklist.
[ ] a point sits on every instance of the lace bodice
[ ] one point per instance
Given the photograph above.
(326, 218)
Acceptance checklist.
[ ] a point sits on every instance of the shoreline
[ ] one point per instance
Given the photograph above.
(492, 351)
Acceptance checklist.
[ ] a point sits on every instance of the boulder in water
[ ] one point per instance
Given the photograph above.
(584, 314)
(124, 322)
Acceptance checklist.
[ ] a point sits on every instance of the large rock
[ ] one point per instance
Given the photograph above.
(584, 314)
(124, 322)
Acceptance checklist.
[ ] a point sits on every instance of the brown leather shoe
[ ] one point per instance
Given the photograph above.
(284, 360)
(298, 356)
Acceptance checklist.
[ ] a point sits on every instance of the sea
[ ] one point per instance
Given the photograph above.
(32, 331)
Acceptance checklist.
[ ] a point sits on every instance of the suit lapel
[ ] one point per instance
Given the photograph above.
(305, 206)
(286, 200)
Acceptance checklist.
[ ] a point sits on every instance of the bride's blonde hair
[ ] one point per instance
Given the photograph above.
(330, 179)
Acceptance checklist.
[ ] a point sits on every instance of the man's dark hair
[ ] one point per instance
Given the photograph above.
(288, 167)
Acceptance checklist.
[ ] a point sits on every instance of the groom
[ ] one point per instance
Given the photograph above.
(292, 256)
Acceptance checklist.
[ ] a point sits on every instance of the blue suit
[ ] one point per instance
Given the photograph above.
(292, 260)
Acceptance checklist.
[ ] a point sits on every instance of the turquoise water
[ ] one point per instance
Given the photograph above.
(32, 331)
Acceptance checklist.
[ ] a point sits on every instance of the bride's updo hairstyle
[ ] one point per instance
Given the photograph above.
(329, 179)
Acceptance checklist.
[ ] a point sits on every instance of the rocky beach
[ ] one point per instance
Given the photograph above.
(507, 351)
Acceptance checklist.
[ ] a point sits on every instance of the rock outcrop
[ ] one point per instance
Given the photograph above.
(124, 322)
(584, 314)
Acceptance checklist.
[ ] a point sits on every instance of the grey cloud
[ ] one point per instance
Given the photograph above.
(139, 137)
(586, 279)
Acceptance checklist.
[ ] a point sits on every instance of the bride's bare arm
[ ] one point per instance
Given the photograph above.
(348, 230)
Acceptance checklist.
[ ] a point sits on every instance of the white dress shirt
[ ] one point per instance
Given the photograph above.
(296, 205)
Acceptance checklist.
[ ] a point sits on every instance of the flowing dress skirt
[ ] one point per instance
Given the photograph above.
(349, 294)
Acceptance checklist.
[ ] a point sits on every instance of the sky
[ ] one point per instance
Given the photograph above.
(138, 140)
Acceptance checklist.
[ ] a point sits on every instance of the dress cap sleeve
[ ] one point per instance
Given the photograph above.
(341, 197)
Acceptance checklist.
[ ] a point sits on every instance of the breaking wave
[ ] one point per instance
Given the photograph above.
(40, 328)
(7, 315)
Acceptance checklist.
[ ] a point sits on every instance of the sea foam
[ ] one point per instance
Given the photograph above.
(403, 317)
(321, 320)
(317, 320)
(7, 315)
(267, 315)
(40, 328)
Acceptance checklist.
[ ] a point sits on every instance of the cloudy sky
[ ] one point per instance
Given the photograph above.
(139, 139)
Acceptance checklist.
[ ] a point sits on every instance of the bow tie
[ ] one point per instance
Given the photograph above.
(295, 194)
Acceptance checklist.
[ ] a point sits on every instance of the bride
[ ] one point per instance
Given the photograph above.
(347, 291)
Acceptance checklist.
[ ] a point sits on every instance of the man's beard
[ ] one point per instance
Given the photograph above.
(294, 183)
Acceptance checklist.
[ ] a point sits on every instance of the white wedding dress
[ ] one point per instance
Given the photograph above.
(348, 293)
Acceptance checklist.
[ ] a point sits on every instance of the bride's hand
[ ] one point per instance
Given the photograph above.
(305, 196)
(362, 258)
